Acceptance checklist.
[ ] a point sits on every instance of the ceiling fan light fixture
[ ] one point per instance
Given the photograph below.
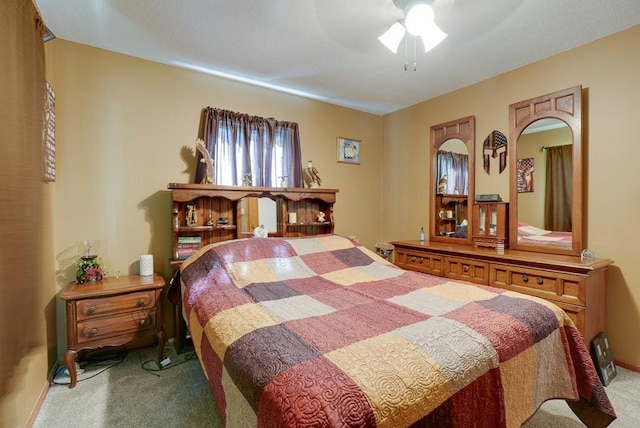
(432, 36)
(393, 36)
(419, 17)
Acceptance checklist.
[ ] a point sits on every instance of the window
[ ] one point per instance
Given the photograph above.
(243, 147)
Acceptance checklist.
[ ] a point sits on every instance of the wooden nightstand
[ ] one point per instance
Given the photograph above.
(124, 311)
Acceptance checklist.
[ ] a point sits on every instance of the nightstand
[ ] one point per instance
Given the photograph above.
(124, 311)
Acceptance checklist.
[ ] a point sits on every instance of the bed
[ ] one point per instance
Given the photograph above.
(532, 234)
(321, 331)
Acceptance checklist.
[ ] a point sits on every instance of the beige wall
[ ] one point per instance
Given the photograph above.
(608, 70)
(122, 125)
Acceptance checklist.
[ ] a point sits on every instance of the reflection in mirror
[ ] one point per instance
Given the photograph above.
(544, 183)
(255, 212)
(545, 159)
(452, 164)
(452, 178)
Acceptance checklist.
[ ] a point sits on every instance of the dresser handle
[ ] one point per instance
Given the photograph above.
(143, 322)
(140, 302)
(93, 332)
(413, 259)
(91, 310)
(539, 280)
(465, 268)
(421, 260)
(525, 277)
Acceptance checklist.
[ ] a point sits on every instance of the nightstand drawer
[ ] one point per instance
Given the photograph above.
(134, 323)
(94, 308)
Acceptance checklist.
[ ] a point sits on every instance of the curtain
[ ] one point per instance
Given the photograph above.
(241, 145)
(559, 191)
(22, 85)
(456, 167)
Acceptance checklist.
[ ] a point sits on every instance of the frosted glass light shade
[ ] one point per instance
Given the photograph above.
(432, 36)
(393, 36)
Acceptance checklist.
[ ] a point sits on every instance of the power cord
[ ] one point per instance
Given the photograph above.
(187, 356)
(112, 363)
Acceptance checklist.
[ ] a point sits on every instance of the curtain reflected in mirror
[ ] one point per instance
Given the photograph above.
(452, 165)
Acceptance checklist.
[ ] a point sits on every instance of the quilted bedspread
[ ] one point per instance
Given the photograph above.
(323, 332)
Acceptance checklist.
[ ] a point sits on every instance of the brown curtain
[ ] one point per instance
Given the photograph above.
(558, 193)
(22, 85)
(242, 144)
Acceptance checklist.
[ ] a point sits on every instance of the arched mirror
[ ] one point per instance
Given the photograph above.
(545, 162)
(452, 180)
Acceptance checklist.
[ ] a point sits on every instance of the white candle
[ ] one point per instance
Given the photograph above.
(146, 265)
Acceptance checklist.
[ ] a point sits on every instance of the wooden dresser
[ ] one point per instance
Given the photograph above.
(123, 311)
(577, 287)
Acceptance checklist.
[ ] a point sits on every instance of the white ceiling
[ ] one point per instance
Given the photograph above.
(328, 49)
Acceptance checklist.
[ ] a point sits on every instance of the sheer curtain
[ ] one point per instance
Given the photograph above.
(559, 190)
(456, 167)
(241, 144)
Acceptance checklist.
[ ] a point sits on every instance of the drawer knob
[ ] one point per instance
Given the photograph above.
(465, 268)
(91, 310)
(421, 260)
(93, 332)
(140, 302)
(413, 258)
(143, 322)
(539, 280)
(525, 277)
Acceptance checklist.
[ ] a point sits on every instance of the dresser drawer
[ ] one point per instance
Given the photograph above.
(548, 285)
(133, 324)
(467, 270)
(94, 308)
(420, 262)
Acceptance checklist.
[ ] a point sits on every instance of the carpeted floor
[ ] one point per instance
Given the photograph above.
(127, 395)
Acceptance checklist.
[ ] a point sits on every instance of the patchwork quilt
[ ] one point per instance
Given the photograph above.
(323, 332)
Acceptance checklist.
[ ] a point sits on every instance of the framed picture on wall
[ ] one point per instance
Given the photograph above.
(526, 175)
(348, 150)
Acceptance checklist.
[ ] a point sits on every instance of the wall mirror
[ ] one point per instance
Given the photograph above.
(452, 180)
(545, 163)
(255, 211)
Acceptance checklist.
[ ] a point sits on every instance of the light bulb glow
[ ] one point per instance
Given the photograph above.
(418, 18)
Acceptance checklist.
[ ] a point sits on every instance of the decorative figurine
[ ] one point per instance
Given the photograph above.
(314, 175)
(206, 160)
(321, 217)
(246, 179)
(442, 184)
(260, 232)
(192, 215)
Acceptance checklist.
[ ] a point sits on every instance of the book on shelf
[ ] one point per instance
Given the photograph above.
(188, 245)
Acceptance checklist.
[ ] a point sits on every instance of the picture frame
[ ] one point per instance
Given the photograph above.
(348, 150)
(526, 175)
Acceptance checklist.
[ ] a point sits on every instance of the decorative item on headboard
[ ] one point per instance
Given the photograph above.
(314, 175)
(206, 159)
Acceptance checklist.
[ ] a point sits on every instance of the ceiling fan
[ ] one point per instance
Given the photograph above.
(418, 21)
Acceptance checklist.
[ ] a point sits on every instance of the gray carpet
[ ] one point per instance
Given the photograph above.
(126, 395)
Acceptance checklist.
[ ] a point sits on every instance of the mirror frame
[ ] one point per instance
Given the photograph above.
(463, 129)
(565, 105)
